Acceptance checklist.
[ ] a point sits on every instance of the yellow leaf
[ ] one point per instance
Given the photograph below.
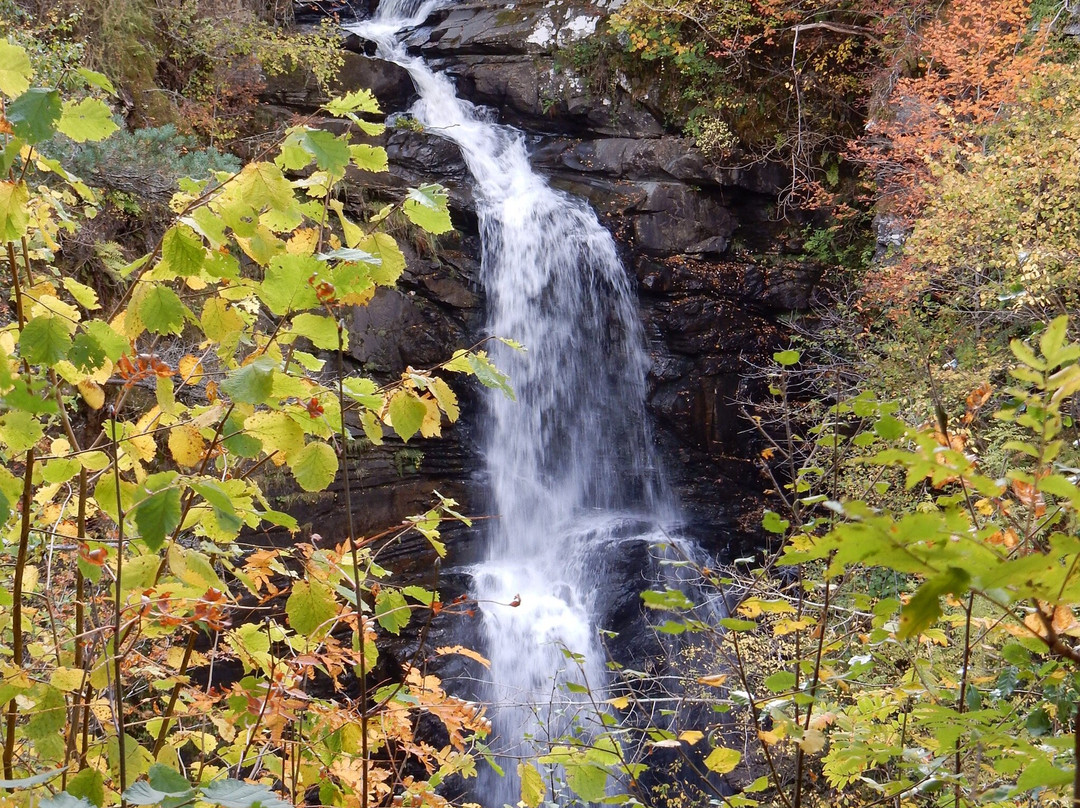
(753, 607)
(190, 368)
(784, 627)
(691, 736)
(277, 432)
(461, 650)
(431, 427)
(66, 679)
(92, 394)
(713, 680)
(722, 761)
(303, 241)
(142, 442)
(446, 398)
(813, 741)
(619, 702)
(187, 446)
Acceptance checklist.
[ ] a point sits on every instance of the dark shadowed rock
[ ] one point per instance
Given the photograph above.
(675, 219)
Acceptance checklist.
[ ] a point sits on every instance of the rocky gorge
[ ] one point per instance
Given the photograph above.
(715, 265)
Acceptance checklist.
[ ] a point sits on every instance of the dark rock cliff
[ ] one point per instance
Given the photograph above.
(715, 266)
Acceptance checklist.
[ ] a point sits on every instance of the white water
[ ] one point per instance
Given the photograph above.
(572, 473)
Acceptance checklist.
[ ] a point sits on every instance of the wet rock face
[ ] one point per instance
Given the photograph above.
(714, 265)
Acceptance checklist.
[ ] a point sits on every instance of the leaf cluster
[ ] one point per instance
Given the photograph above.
(132, 477)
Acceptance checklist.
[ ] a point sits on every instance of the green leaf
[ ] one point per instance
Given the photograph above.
(780, 681)
(45, 340)
(251, 384)
(15, 69)
(88, 119)
(285, 287)
(168, 781)
(162, 312)
(368, 158)
(157, 516)
(1043, 772)
(262, 185)
(86, 353)
(772, 522)
(330, 151)
(88, 784)
(924, 607)
(355, 101)
(33, 115)
(315, 466)
(666, 600)
(735, 624)
(95, 79)
(889, 428)
(83, 294)
(587, 780)
(426, 207)
(20, 430)
(182, 251)
(193, 568)
(407, 413)
(1054, 336)
(311, 607)
(14, 209)
(787, 358)
(221, 323)
(722, 761)
(218, 499)
(477, 364)
(112, 343)
(142, 793)
(533, 789)
(64, 800)
(321, 330)
(276, 431)
(48, 716)
(389, 260)
(425, 596)
(391, 610)
(235, 794)
(30, 782)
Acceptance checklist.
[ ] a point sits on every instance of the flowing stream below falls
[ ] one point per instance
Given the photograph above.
(574, 478)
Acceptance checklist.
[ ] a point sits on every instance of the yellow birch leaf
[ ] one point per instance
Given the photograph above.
(722, 761)
(713, 680)
(92, 394)
(446, 398)
(142, 441)
(431, 427)
(303, 241)
(784, 627)
(190, 369)
(187, 446)
(691, 736)
(66, 679)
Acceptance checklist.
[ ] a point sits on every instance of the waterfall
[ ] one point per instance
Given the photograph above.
(572, 472)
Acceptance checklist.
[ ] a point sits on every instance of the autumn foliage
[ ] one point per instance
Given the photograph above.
(969, 66)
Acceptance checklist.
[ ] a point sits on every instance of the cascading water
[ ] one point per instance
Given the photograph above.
(572, 472)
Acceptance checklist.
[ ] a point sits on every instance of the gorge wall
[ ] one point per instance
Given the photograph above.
(714, 265)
